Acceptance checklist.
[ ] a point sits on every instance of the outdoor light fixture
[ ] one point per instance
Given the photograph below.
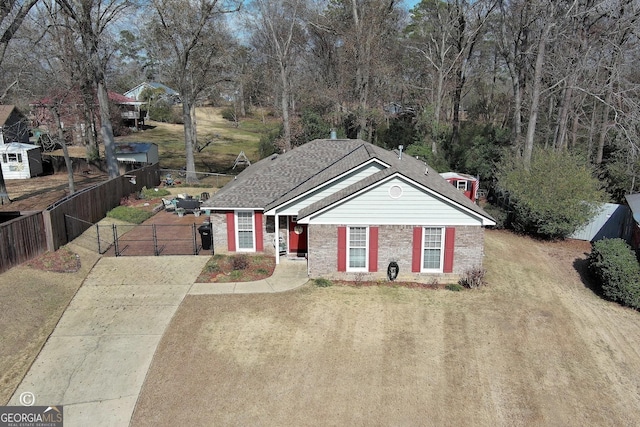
(132, 179)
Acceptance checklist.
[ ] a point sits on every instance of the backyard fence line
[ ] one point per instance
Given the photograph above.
(179, 176)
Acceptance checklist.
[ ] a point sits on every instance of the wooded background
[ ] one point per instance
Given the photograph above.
(463, 84)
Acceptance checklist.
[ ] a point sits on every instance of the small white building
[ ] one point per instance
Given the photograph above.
(20, 161)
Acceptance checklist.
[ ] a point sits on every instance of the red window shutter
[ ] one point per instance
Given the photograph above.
(449, 246)
(373, 249)
(231, 231)
(342, 248)
(416, 254)
(259, 231)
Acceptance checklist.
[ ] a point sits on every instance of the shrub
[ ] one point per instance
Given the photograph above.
(455, 287)
(240, 262)
(322, 283)
(616, 268)
(129, 214)
(558, 194)
(473, 278)
(229, 113)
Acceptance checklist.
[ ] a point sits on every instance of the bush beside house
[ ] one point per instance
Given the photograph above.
(556, 196)
(614, 265)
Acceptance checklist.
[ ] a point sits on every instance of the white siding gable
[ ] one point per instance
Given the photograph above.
(395, 201)
(294, 206)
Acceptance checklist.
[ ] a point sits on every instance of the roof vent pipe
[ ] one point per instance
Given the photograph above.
(400, 148)
(334, 134)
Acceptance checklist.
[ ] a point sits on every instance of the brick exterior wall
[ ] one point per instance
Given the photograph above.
(395, 244)
(219, 230)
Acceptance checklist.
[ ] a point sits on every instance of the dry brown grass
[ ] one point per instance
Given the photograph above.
(31, 303)
(536, 347)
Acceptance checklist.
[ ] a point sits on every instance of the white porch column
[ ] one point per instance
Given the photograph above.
(277, 239)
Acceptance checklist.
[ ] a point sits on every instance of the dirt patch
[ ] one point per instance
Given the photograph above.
(61, 261)
(535, 347)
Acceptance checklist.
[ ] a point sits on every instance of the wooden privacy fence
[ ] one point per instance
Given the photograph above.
(21, 239)
(92, 204)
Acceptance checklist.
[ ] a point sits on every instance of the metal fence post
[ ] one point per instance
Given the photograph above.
(98, 237)
(155, 239)
(115, 240)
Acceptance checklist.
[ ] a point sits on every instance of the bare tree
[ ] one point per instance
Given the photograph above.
(191, 42)
(12, 14)
(278, 27)
(92, 21)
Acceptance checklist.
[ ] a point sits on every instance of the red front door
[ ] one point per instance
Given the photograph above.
(297, 237)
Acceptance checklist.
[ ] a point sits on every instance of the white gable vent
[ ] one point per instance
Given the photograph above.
(395, 191)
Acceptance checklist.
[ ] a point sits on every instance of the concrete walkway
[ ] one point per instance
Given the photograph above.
(96, 360)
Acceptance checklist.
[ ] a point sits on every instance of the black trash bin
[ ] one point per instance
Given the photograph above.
(205, 235)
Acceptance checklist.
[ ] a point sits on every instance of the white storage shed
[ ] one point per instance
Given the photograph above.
(20, 161)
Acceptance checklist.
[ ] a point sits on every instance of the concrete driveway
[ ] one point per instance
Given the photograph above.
(96, 360)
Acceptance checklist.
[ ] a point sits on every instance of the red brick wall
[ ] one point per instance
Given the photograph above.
(395, 244)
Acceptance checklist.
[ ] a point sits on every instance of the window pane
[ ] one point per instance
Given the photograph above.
(245, 239)
(357, 257)
(357, 247)
(245, 230)
(432, 248)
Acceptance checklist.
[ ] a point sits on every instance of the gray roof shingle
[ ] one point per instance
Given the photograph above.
(280, 178)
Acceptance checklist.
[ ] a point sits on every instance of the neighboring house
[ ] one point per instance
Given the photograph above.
(20, 160)
(135, 93)
(137, 154)
(14, 126)
(351, 208)
(468, 184)
(70, 108)
(129, 109)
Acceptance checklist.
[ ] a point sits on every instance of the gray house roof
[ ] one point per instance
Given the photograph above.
(280, 178)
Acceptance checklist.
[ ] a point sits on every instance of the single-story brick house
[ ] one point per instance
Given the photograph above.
(351, 208)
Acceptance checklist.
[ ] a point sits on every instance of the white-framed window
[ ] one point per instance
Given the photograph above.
(245, 234)
(461, 185)
(357, 249)
(432, 249)
(12, 157)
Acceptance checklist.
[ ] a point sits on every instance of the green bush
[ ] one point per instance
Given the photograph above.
(129, 214)
(558, 194)
(229, 113)
(616, 268)
(322, 283)
(455, 287)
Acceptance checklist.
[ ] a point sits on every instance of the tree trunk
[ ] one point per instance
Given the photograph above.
(107, 131)
(604, 124)
(284, 104)
(535, 96)
(4, 195)
(65, 150)
(188, 140)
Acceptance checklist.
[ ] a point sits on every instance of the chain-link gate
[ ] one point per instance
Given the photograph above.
(143, 240)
